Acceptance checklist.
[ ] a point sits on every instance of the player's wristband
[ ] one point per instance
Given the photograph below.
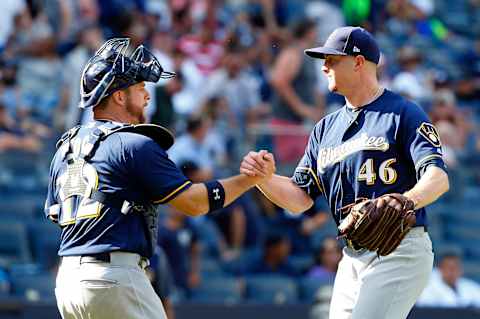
(216, 195)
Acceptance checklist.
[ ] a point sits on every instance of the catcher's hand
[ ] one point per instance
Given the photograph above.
(378, 224)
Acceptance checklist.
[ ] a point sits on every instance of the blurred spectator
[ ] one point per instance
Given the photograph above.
(4, 282)
(187, 100)
(326, 260)
(276, 250)
(164, 112)
(413, 81)
(468, 85)
(452, 125)
(326, 15)
(191, 146)
(11, 10)
(118, 16)
(294, 79)
(162, 46)
(9, 92)
(447, 287)
(219, 136)
(321, 306)
(178, 238)
(90, 38)
(239, 87)
(12, 137)
(160, 274)
(276, 15)
(300, 228)
(203, 48)
(40, 71)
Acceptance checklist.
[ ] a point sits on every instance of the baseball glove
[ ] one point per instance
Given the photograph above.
(378, 224)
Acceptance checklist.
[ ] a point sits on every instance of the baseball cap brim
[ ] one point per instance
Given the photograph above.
(320, 52)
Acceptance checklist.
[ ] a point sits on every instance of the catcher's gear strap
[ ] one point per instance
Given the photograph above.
(161, 135)
(89, 142)
(216, 195)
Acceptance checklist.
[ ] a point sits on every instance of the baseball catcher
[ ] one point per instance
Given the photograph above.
(378, 224)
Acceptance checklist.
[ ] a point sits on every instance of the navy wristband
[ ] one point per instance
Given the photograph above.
(216, 195)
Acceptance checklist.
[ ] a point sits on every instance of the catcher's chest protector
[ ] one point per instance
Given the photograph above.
(78, 184)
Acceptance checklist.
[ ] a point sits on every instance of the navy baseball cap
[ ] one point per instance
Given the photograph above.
(348, 41)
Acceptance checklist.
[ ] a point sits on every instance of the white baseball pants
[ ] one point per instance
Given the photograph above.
(119, 289)
(385, 287)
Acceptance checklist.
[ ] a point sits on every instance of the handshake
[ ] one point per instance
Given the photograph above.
(258, 165)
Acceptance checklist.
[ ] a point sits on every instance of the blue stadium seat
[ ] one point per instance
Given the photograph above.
(209, 235)
(301, 263)
(44, 238)
(22, 207)
(271, 289)
(22, 171)
(13, 244)
(471, 270)
(464, 234)
(473, 253)
(441, 247)
(329, 229)
(308, 288)
(219, 290)
(34, 287)
(210, 267)
(239, 265)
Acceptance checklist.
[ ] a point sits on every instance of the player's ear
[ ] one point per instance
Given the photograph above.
(119, 97)
(359, 62)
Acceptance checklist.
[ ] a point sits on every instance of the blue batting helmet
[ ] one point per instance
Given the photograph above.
(110, 70)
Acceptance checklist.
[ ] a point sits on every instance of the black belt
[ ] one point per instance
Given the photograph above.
(95, 258)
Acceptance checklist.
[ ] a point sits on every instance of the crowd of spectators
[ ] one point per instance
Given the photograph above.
(242, 83)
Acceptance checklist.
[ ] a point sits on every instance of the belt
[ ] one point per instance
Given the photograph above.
(356, 248)
(116, 258)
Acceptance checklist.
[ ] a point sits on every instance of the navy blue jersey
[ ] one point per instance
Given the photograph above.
(383, 147)
(129, 165)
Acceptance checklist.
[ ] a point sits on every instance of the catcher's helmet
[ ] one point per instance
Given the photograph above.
(110, 70)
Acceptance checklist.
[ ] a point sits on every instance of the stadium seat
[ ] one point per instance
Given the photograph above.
(44, 239)
(22, 207)
(218, 290)
(471, 270)
(13, 244)
(239, 265)
(308, 287)
(210, 267)
(271, 289)
(441, 248)
(464, 234)
(301, 263)
(329, 229)
(34, 287)
(209, 235)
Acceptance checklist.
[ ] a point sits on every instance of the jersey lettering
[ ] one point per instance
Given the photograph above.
(331, 155)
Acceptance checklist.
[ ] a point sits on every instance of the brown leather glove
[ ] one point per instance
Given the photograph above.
(378, 224)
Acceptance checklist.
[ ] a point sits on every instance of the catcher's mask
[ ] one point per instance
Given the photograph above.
(110, 70)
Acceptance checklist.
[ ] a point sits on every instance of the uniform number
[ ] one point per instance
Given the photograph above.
(79, 180)
(386, 173)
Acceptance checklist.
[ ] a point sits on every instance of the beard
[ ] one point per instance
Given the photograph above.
(136, 113)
